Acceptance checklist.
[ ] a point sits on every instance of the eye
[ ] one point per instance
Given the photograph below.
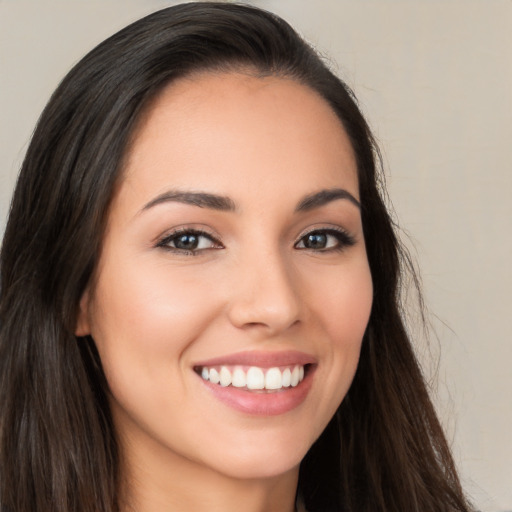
(189, 241)
(325, 240)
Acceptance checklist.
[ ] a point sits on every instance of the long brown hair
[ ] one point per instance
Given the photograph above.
(384, 450)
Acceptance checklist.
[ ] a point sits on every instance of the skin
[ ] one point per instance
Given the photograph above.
(155, 312)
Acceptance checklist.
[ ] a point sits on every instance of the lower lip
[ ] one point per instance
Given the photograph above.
(262, 403)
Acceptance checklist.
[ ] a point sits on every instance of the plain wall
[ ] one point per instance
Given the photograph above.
(435, 80)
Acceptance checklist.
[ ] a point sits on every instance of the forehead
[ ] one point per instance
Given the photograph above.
(223, 130)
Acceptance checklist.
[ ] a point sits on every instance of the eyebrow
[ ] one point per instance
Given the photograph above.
(200, 199)
(323, 197)
(223, 203)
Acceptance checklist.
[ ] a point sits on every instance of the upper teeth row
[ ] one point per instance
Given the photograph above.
(254, 377)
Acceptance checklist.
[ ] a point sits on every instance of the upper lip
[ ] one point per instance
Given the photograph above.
(262, 359)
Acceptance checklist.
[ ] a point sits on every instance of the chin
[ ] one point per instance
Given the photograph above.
(262, 459)
(260, 469)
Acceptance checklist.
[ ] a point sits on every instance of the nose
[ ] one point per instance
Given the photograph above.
(264, 295)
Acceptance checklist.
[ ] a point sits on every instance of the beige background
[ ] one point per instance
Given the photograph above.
(435, 79)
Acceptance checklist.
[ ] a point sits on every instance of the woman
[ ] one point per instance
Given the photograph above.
(200, 288)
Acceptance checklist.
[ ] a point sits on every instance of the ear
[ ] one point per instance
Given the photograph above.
(82, 322)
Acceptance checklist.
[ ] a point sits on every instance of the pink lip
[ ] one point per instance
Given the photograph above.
(262, 403)
(267, 359)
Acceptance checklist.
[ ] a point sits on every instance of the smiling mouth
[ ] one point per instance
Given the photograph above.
(254, 378)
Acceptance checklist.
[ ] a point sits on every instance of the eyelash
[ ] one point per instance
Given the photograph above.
(343, 240)
(174, 236)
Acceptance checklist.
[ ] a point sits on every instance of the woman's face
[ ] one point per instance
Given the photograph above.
(233, 287)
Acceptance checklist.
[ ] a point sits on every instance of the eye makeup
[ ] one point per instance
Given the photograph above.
(325, 240)
(193, 241)
(189, 241)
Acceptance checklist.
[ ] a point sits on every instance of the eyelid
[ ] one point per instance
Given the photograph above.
(345, 239)
(163, 241)
(325, 228)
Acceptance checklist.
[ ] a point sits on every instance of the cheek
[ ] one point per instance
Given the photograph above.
(150, 305)
(143, 320)
(343, 303)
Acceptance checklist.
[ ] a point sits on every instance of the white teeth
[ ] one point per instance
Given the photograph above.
(254, 378)
(273, 379)
(287, 378)
(295, 376)
(225, 377)
(239, 379)
(214, 376)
